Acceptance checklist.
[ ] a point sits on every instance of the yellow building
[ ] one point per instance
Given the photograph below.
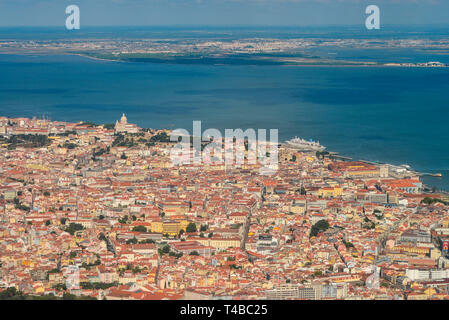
(219, 243)
(435, 254)
(412, 250)
(327, 192)
(171, 228)
(445, 223)
(157, 227)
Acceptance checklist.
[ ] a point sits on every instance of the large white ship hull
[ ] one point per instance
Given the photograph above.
(305, 147)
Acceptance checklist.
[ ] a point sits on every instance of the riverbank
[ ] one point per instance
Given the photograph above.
(394, 115)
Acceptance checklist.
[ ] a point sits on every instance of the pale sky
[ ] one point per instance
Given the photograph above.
(222, 12)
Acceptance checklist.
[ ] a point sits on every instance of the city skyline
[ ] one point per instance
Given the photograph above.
(224, 150)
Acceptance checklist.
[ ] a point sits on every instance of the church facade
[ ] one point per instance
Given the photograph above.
(124, 126)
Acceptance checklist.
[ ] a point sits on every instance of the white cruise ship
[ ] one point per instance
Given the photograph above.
(304, 145)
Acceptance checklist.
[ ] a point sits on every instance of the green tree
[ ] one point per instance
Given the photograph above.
(191, 227)
(318, 227)
(74, 227)
(166, 249)
(132, 241)
(140, 229)
(123, 220)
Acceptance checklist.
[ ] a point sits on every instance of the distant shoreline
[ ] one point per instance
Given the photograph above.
(167, 61)
(196, 61)
(93, 58)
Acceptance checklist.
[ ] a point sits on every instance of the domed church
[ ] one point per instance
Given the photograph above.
(124, 126)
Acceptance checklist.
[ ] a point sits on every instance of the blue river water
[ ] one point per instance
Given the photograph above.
(393, 115)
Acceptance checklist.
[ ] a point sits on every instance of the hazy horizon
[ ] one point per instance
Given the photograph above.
(426, 25)
(22, 13)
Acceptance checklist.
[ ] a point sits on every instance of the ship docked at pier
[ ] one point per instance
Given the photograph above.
(304, 145)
